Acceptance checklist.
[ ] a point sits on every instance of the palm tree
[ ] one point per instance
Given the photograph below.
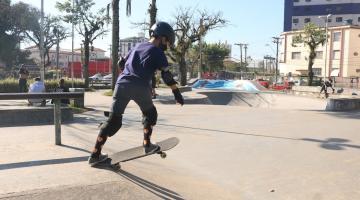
(115, 36)
(152, 11)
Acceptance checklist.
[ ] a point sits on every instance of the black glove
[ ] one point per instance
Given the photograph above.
(178, 97)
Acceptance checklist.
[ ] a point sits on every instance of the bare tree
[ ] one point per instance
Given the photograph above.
(190, 26)
(89, 25)
(53, 32)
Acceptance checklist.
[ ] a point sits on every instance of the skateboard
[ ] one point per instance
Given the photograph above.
(115, 159)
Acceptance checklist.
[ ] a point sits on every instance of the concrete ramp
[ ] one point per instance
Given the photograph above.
(234, 98)
(230, 85)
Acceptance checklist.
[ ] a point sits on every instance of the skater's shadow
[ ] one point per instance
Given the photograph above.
(157, 190)
(333, 143)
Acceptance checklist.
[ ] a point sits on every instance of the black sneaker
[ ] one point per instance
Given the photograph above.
(95, 160)
(151, 148)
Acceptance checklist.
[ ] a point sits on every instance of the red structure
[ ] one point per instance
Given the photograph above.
(100, 66)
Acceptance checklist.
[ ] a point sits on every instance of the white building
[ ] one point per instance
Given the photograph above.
(342, 56)
(65, 55)
(127, 44)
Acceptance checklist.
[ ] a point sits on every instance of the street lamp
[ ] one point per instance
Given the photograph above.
(326, 41)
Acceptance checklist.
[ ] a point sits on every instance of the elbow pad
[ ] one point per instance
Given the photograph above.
(168, 78)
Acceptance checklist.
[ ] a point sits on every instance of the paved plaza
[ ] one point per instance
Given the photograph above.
(292, 149)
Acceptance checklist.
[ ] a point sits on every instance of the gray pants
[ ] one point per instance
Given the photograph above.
(125, 92)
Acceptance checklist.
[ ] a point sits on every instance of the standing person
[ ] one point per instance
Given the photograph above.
(23, 75)
(134, 83)
(325, 86)
(329, 84)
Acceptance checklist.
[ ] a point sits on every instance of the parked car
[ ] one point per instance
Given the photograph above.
(96, 77)
(107, 79)
(263, 82)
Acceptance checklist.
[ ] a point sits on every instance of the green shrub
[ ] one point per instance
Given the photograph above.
(9, 85)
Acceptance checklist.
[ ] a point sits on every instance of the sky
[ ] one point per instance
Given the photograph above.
(251, 22)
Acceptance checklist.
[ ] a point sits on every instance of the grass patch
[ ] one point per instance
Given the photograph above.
(108, 93)
(77, 110)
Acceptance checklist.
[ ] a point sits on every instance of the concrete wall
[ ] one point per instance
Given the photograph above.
(33, 116)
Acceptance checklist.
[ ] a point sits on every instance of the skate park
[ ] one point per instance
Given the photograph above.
(233, 145)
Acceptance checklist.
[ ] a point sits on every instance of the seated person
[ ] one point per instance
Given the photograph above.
(37, 87)
(62, 88)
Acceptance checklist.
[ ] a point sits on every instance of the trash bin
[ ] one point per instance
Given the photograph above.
(79, 103)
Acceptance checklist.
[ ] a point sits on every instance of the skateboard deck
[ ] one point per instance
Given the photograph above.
(115, 159)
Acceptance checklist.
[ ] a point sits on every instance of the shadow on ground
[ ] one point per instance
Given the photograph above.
(345, 115)
(159, 191)
(333, 143)
(36, 163)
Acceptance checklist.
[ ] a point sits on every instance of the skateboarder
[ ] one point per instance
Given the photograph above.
(325, 86)
(134, 83)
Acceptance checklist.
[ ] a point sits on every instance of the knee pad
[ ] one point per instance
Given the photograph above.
(150, 117)
(111, 126)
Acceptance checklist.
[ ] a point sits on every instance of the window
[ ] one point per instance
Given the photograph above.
(317, 71)
(295, 20)
(329, 20)
(336, 55)
(307, 0)
(296, 1)
(307, 20)
(337, 36)
(296, 55)
(319, 54)
(358, 19)
(339, 19)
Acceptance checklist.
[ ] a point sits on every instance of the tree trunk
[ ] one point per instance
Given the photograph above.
(86, 64)
(115, 41)
(310, 65)
(152, 11)
(183, 70)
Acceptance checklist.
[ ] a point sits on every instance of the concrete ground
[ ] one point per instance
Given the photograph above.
(292, 150)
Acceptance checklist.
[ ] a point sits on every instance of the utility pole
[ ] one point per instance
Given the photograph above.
(42, 62)
(57, 57)
(72, 48)
(245, 48)
(55, 31)
(276, 40)
(241, 47)
(200, 48)
(110, 49)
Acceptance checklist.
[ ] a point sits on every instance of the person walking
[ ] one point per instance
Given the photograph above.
(134, 83)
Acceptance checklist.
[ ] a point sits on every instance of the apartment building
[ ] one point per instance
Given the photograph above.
(300, 12)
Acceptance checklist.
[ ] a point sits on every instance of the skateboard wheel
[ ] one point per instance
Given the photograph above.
(163, 155)
(117, 166)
